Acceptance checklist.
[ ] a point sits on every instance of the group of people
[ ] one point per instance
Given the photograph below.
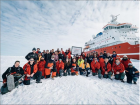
(51, 64)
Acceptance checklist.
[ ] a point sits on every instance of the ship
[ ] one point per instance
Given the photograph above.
(119, 37)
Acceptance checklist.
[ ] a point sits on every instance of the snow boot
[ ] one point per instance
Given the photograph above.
(122, 80)
(38, 82)
(135, 83)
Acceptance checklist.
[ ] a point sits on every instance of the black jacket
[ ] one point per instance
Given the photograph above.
(61, 56)
(13, 69)
(131, 70)
(90, 58)
(54, 65)
(32, 55)
(66, 53)
(110, 60)
(47, 57)
(67, 65)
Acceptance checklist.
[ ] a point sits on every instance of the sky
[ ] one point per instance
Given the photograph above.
(58, 24)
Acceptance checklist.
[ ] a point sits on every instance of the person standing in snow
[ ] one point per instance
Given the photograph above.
(104, 55)
(132, 74)
(12, 77)
(56, 56)
(114, 56)
(118, 69)
(43, 53)
(39, 56)
(110, 59)
(47, 56)
(61, 56)
(106, 69)
(38, 49)
(33, 55)
(95, 66)
(31, 71)
(41, 66)
(50, 65)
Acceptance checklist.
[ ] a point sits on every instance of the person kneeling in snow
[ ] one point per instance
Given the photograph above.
(106, 69)
(12, 77)
(84, 68)
(118, 69)
(31, 71)
(125, 61)
(74, 67)
(95, 66)
(41, 66)
(50, 65)
(59, 67)
(132, 73)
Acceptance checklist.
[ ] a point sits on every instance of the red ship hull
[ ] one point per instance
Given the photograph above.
(132, 51)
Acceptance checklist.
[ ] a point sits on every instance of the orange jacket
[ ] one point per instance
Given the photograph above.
(27, 69)
(119, 68)
(41, 67)
(59, 66)
(108, 67)
(69, 55)
(95, 66)
(50, 63)
(74, 65)
(125, 63)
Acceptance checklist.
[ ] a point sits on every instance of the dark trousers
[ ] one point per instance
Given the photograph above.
(36, 76)
(88, 71)
(68, 71)
(108, 75)
(119, 76)
(81, 71)
(60, 73)
(131, 78)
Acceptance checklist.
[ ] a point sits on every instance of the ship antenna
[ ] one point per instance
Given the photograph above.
(114, 18)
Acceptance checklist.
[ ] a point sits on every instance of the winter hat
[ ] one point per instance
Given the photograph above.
(34, 49)
(125, 56)
(130, 64)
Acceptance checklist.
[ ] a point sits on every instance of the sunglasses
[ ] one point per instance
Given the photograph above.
(31, 60)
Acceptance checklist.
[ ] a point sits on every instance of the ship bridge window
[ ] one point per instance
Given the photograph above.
(122, 26)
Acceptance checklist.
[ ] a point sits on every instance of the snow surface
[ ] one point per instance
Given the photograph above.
(70, 89)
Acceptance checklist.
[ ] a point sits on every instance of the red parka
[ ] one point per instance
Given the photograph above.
(95, 65)
(125, 63)
(27, 69)
(118, 68)
(59, 66)
(108, 68)
(41, 67)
